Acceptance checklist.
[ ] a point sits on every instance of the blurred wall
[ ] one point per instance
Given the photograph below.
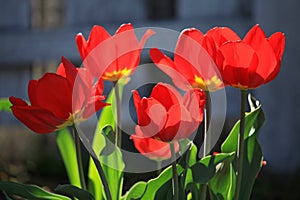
(280, 137)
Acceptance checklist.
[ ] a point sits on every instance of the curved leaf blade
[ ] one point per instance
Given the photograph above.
(74, 191)
(67, 150)
(31, 192)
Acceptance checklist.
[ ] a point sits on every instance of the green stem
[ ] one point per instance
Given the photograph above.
(207, 116)
(118, 140)
(174, 173)
(207, 138)
(103, 178)
(240, 156)
(79, 159)
(100, 171)
(203, 188)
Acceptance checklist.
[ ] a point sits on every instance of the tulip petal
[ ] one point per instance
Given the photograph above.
(94, 105)
(220, 35)
(17, 101)
(124, 27)
(195, 57)
(239, 61)
(189, 44)
(277, 41)
(67, 70)
(53, 92)
(255, 37)
(194, 101)
(143, 118)
(192, 33)
(152, 148)
(97, 35)
(37, 119)
(81, 45)
(179, 125)
(165, 64)
(158, 116)
(166, 95)
(267, 60)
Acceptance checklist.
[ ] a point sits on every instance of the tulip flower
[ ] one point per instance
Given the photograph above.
(168, 116)
(221, 35)
(59, 99)
(194, 58)
(152, 148)
(253, 61)
(111, 57)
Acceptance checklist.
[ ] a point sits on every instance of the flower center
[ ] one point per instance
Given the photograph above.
(212, 84)
(116, 75)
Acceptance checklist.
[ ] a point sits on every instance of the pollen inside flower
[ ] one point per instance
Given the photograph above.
(213, 82)
(68, 122)
(116, 75)
(72, 119)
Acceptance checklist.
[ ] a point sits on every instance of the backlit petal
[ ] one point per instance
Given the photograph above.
(53, 93)
(166, 95)
(37, 119)
(165, 64)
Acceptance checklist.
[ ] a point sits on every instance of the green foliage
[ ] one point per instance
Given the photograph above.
(67, 150)
(205, 169)
(191, 173)
(102, 145)
(5, 105)
(154, 185)
(31, 192)
(222, 185)
(74, 191)
(136, 191)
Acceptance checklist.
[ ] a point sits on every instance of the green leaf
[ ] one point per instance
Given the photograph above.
(31, 192)
(205, 169)
(111, 160)
(188, 159)
(99, 143)
(5, 105)
(136, 191)
(252, 151)
(222, 185)
(231, 142)
(189, 151)
(154, 185)
(67, 150)
(192, 189)
(74, 191)
(109, 136)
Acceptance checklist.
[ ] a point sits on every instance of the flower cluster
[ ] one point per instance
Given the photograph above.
(202, 63)
(219, 57)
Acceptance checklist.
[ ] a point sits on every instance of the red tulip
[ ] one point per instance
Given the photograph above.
(221, 35)
(254, 61)
(153, 148)
(54, 103)
(194, 58)
(166, 115)
(111, 57)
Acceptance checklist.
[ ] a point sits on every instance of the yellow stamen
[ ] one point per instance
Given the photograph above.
(116, 75)
(72, 119)
(212, 84)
